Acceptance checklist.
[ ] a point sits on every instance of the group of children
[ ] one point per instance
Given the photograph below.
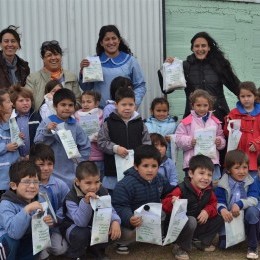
(42, 166)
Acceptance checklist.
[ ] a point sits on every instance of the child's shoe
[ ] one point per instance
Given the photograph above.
(122, 249)
(179, 253)
(252, 253)
(199, 245)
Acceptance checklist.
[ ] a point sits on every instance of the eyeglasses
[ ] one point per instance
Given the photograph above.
(48, 43)
(28, 183)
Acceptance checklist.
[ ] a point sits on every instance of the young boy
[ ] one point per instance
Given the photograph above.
(64, 102)
(79, 214)
(16, 209)
(43, 156)
(167, 167)
(140, 185)
(237, 191)
(27, 119)
(122, 131)
(202, 207)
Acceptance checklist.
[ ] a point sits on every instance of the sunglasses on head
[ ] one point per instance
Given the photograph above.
(48, 43)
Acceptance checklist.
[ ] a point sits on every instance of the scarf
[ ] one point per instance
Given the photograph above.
(11, 70)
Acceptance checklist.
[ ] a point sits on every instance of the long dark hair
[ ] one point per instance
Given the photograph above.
(216, 56)
(111, 28)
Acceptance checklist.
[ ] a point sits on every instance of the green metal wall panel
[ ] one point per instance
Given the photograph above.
(234, 25)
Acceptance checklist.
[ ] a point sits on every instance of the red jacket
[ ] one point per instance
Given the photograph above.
(211, 207)
(250, 128)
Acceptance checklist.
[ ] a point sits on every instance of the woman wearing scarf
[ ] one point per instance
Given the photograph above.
(13, 69)
(51, 54)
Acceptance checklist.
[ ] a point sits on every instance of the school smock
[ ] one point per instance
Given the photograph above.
(6, 157)
(64, 168)
(13, 219)
(223, 193)
(124, 65)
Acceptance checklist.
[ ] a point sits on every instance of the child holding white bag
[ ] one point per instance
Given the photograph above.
(237, 191)
(64, 102)
(201, 117)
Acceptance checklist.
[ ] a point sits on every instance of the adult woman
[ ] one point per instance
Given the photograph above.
(13, 69)
(208, 69)
(116, 60)
(51, 54)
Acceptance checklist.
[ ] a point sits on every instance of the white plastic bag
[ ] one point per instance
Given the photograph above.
(235, 230)
(150, 229)
(101, 219)
(14, 130)
(94, 71)
(234, 134)
(173, 76)
(40, 231)
(177, 221)
(123, 164)
(205, 142)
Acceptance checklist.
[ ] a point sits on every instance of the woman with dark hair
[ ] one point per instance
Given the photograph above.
(116, 60)
(13, 69)
(208, 69)
(51, 54)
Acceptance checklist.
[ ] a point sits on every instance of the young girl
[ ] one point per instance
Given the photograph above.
(167, 167)
(200, 118)
(8, 150)
(248, 111)
(237, 191)
(27, 119)
(90, 117)
(160, 121)
(47, 108)
(118, 82)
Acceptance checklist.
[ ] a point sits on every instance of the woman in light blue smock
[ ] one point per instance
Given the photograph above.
(116, 60)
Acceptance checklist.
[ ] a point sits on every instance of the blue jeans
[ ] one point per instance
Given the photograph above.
(18, 249)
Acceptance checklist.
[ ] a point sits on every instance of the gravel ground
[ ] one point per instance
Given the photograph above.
(142, 251)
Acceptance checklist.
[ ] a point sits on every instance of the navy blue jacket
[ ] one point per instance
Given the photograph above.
(133, 191)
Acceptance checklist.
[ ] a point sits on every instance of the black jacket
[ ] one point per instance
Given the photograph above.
(199, 74)
(22, 72)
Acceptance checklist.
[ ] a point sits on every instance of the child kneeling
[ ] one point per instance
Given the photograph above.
(16, 209)
(204, 221)
(141, 184)
(76, 226)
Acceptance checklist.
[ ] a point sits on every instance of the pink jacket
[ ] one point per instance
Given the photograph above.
(185, 133)
(95, 153)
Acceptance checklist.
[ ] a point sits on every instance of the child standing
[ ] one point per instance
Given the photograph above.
(248, 111)
(64, 102)
(27, 119)
(47, 108)
(116, 83)
(201, 208)
(79, 214)
(121, 131)
(43, 156)
(8, 150)
(90, 118)
(167, 167)
(200, 118)
(140, 185)
(237, 191)
(16, 209)
(161, 122)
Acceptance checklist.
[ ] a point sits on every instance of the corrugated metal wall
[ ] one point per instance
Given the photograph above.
(76, 23)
